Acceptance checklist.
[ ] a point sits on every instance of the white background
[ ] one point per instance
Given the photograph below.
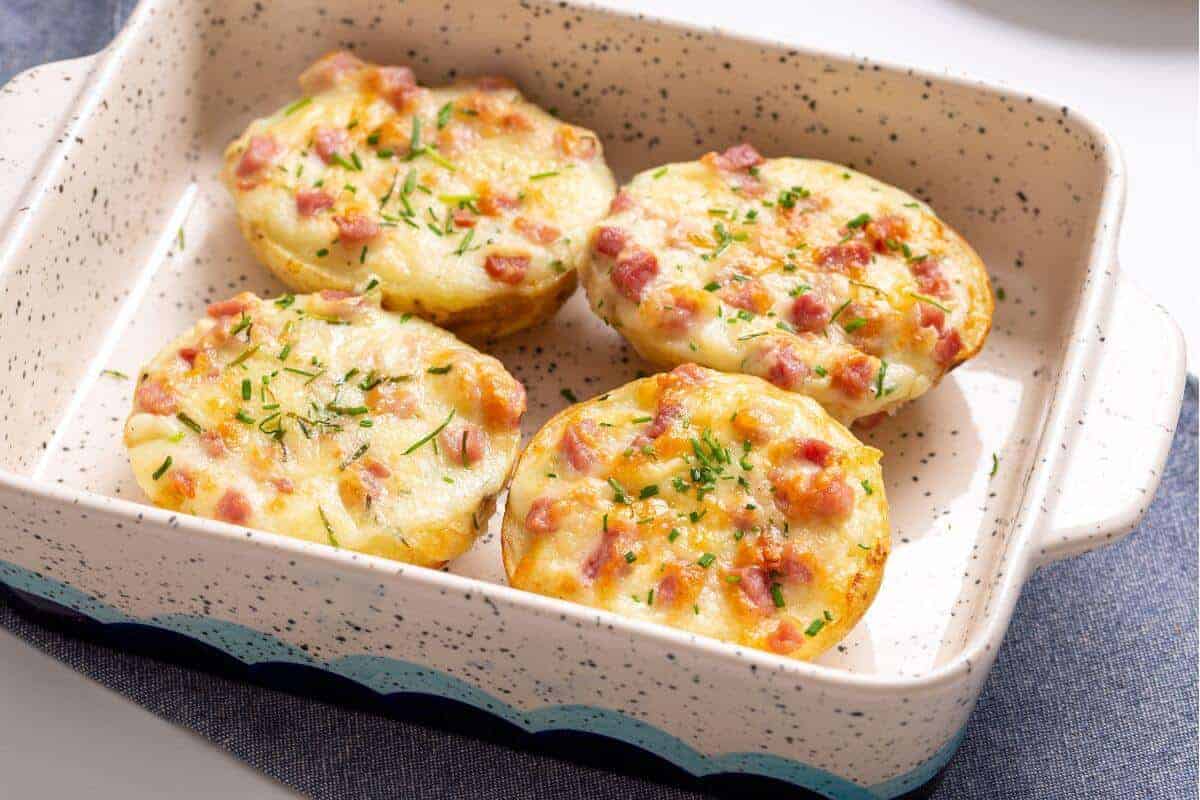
(1129, 65)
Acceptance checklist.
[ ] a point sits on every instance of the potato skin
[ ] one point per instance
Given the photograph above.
(325, 418)
(617, 505)
(810, 275)
(477, 224)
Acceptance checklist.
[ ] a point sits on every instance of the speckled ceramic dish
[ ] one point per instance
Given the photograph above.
(1048, 444)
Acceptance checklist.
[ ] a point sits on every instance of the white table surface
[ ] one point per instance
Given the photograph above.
(1131, 65)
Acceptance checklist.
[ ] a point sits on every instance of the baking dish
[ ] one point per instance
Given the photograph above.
(117, 234)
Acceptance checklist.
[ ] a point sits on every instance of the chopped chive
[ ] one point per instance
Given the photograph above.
(324, 251)
(427, 437)
(995, 466)
(930, 301)
(162, 468)
(443, 115)
(706, 560)
(465, 243)
(815, 627)
(440, 370)
(840, 309)
(245, 388)
(630, 557)
(1000, 294)
(296, 106)
(328, 528)
(673, 535)
(854, 324)
(243, 417)
(883, 366)
(820, 370)
(619, 494)
(862, 546)
(188, 421)
(859, 221)
(658, 173)
(341, 161)
(249, 351)
(540, 176)
(711, 286)
(348, 411)
(866, 484)
(648, 491)
(640, 420)
(568, 395)
(242, 324)
(357, 161)
(362, 449)
(113, 373)
(777, 594)
(305, 373)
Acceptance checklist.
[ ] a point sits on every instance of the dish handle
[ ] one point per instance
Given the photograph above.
(1121, 427)
(34, 107)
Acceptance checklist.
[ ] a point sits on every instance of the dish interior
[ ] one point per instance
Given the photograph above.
(140, 237)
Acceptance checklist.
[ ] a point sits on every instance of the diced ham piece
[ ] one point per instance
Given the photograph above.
(633, 271)
(330, 142)
(794, 566)
(853, 375)
(739, 157)
(182, 482)
(605, 554)
(842, 257)
(376, 468)
(610, 241)
(506, 269)
(749, 295)
(328, 71)
(155, 398)
(785, 638)
(397, 85)
(260, 151)
(890, 228)
(229, 308)
(310, 201)
(928, 273)
(189, 354)
(785, 368)
(541, 517)
(493, 203)
(799, 495)
(930, 316)
(463, 444)
(387, 398)
(667, 590)
(212, 444)
(948, 347)
(233, 507)
(622, 201)
(578, 446)
(574, 144)
(536, 232)
(814, 450)
(687, 375)
(664, 417)
(463, 218)
(283, 485)
(754, 584)
(356, 228)
(810, 314)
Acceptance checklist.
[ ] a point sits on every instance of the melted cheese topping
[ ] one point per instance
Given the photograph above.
(325, 418)
(710, 502)
(470, 204)
(817, 278)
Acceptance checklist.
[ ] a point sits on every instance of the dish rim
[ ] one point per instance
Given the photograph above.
(1015, 561)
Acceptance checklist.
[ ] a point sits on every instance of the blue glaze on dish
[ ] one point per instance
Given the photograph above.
(387, 676)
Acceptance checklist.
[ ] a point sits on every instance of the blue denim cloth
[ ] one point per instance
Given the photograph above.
(1093, 695)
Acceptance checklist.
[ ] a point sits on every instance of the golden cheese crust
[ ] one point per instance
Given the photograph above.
(470, 204)
(323, 417)
(711, 502)
(822, 280)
